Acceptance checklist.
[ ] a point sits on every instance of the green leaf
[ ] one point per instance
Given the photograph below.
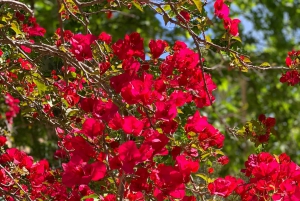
(265, 64)
(219, 152)
(237, 38)
(166, 19)
(202, 176)
(42, 88)
(137, 5)
(198, 4)
(94, 196)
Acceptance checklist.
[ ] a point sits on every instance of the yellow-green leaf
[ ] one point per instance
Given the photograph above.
(244, 69)
(265, 64)
(202, 176)
(198, 4)
(167, 7)
(208, 39)
(179, 111)
(62, 8)
(6, 17)
(42, 88)
(137, 5)
(159, 130)
(15, 26)
(219, 152)
(237, 38)
(191, 133)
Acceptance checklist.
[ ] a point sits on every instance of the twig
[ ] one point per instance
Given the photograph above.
(17, 4)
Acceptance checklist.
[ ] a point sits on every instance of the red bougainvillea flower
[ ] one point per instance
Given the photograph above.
(168, 182)
(132, 125)
(196, 123)
(18, 157)
(104, 66)
(157, 47)
(71, 96)
(129, 156)
(207, 135)
(221, 9)
(184, 16)
(165, 110)
(20, 16)
(131, 65)
(223, 160)
(132, 45)
(14, 108)
(288, 61)
(270, 177)
(104, 111)
(34, 29)
(186, 167)
(291, 78)
(81, 46)
(2, 140)
(210, 170)
(77, 172)
(26, 65)
(232, 25)
(224, 187)
(92, 128)
(268, 122)
(25, 49)
(105, 37)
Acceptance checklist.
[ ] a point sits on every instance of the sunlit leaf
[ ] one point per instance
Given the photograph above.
(237, 38)
(15, 26)
(138, 5)
(198, 4)
(202, 176)
(265, 64)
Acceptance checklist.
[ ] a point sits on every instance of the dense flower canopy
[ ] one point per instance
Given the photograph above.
(129, 113)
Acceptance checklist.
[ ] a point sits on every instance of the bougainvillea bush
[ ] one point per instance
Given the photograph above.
(128, 114)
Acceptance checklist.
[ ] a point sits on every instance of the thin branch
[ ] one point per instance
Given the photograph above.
(18, 5)
(90, 3)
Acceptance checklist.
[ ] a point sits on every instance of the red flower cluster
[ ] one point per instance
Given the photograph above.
(224, 187)
(32, 28)
(270, 177)
(291, 77)
(207, 135)
(81, 46)
(42, 180)
(292, 61)
(268, 125)
(184, 16)
(222, 12)
(13, 108)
